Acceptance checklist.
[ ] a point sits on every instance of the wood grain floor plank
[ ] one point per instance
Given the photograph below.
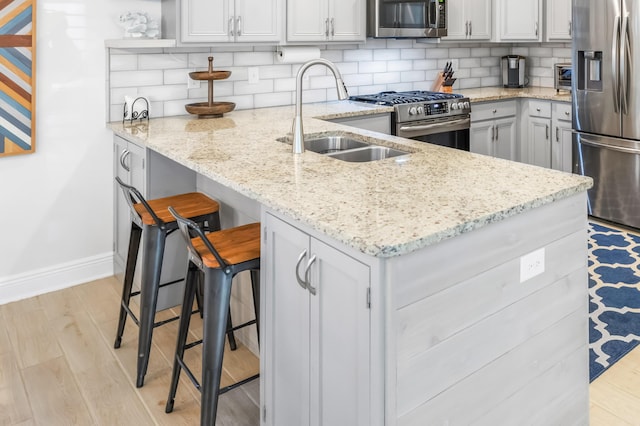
(60, 303)
(5, 343)
(54, 396)
(14, 404)
(599, 416)
(30, 335)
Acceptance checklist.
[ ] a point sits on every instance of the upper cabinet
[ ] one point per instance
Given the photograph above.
(326, 20)
(223, 21)
(468, 20)
(518, 20)
(558, 22)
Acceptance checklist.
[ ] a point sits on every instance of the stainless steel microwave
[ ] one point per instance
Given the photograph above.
(406, 18)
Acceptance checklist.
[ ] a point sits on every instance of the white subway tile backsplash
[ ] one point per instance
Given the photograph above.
(377, 65)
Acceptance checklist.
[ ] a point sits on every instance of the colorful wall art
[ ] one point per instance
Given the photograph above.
(17, 77)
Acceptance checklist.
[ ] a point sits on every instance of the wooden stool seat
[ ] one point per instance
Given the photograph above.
(235, 245)
(191, 205)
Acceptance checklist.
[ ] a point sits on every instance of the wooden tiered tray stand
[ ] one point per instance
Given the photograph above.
(210, 109)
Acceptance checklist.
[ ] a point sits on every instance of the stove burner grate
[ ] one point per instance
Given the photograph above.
(397, 98)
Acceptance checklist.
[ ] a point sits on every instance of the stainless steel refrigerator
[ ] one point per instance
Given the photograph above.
(606, 105)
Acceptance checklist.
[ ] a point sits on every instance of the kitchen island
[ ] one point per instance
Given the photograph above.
(441, 287)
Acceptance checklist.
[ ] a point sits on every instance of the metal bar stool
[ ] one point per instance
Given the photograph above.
(152, 220)
(217, 257)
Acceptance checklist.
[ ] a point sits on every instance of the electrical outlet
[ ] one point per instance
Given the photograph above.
(253, 75)
(191, 83)
(531, 264)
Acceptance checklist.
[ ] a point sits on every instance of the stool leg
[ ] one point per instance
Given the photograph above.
(154, 239)
(213, 222)
(230, 334)
(255, 287)
(190, 288)
(217, 294)
(132, 258)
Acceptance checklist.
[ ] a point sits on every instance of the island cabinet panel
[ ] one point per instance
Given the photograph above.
(315, 351)
(472, 339)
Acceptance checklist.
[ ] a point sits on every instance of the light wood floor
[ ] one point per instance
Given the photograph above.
(58, 366)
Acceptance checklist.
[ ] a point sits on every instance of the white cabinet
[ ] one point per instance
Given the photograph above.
(518, 20)
(561, 146)
(558, 20)
(211, 21)
(129, 165)
(539, 133)
(468, 20)
(493, 129)
(326, 20)
(315, 353)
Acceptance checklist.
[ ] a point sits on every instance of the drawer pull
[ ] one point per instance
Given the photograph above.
(495, 111)
(538, 109)
(301, 282)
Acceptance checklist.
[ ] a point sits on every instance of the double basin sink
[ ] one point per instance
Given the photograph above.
(349, 148)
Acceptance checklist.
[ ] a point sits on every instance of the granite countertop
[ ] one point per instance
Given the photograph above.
(383, 208)
(500, 93)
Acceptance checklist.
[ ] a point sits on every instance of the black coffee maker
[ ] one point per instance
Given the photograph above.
(513, 67)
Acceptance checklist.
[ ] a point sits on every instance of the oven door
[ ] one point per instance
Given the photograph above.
(452, 133)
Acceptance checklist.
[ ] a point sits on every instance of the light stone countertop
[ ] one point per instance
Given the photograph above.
(485, 94)
(383, 208)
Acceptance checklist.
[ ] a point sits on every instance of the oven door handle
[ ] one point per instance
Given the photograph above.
(435, 126)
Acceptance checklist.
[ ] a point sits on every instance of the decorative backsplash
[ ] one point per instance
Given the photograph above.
(161, 75)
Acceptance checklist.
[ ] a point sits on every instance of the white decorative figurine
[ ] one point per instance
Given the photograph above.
(139, 24)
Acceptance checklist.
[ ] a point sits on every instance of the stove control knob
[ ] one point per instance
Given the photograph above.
(421, 110)
(413, 110)
(467, 105)
(454, 105)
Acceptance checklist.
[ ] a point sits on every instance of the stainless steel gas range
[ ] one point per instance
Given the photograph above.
(434, 117)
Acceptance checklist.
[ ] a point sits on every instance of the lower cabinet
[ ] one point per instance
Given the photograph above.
(561, 149)
(539, 133)
(493, 129)
(377, 122)
(316, 327)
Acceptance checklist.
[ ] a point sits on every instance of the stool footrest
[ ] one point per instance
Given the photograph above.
(225, 389)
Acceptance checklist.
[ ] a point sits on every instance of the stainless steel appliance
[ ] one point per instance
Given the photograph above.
(562, 76)
(434, 117)
(406, 18)
(606, 99)
(513, 68)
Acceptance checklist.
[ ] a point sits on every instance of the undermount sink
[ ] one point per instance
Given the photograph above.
(330, 144)
(369, 153)
(347, 148)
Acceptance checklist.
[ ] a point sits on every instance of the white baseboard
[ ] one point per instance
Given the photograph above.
(57, 277)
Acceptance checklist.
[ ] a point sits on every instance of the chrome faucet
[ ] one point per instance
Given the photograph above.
(298, 135)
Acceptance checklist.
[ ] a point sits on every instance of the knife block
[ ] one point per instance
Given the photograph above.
(438, 85)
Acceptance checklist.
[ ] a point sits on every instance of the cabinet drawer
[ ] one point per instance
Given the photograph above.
(540, 109)
(488, 111)
(562, 111)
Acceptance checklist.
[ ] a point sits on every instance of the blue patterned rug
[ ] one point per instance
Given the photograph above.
(614, 295)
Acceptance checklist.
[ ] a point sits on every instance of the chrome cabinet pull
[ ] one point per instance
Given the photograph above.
(557, 134)
(326, 27)
(239, 25)
(231, 30)
(497, 132)
(547, 131)
(536, 29)
(333, 27)
(570, 27)
(470, 28)
(302, 282)
(123, 156)
(307, 271)
(466, 29)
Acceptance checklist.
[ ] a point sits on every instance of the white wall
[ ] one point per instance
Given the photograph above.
(57, 203)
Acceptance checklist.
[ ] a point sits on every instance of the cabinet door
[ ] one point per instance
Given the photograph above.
(347, 20)
(340, 328)
(128, 166)
(519, 20)
(558, 20)
(257, 20)
(457, 23)
(481, 136)
(478, 13)
(540, 141)
(307, 20)
(206, 20)
(561, 151)
(505, 139)
(284, 351)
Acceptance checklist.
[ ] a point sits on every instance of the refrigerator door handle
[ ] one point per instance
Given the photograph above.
(626, 63)
(585, 141)
(615, 63)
